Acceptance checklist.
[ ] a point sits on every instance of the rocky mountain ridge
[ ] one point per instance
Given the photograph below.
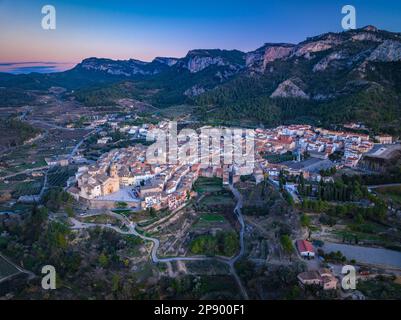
(352, 51)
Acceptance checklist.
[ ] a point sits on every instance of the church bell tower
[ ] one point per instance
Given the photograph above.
(113, 171)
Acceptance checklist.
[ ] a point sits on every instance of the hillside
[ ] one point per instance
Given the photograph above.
(353, 75)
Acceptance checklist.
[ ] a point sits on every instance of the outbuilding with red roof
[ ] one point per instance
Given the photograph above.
(305, 249)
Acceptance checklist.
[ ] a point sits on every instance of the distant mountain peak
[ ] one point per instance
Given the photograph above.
(170, 61)
(126, 68)
(200, 59)
(211, 52)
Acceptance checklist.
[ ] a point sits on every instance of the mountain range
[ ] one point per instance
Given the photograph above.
(334, 77)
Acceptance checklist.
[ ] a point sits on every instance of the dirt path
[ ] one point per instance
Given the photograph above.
(156, 243)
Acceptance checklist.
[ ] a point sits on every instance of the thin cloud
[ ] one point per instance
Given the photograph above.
(29, 67)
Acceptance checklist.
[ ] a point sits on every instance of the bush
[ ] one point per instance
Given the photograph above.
(286, 243)
(305, 221)
(224, 243)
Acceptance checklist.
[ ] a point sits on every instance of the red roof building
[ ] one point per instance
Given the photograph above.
(305, 248)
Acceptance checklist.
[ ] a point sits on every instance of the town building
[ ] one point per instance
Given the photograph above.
(384, 139)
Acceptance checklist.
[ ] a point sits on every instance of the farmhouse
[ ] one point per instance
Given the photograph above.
(305, 249)
(322, 277)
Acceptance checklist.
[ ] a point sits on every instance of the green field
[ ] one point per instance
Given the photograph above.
(212, 218)
(58, 176)
(218, 200)
(222, 244)
(206, 185)
(102, 219)
(28, 188)
(175, 111)
(278, 158)
(212, 192)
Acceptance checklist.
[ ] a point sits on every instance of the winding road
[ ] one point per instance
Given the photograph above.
(156, 243)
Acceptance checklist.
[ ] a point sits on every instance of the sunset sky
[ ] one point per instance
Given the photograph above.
(123, 29)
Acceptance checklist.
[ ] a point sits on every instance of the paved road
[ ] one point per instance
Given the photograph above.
(156, 243)
(53, 126)
(78, 145)
(232, 261)
(132, 231)
(42, 191)
(30, 274)
(24, 171)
